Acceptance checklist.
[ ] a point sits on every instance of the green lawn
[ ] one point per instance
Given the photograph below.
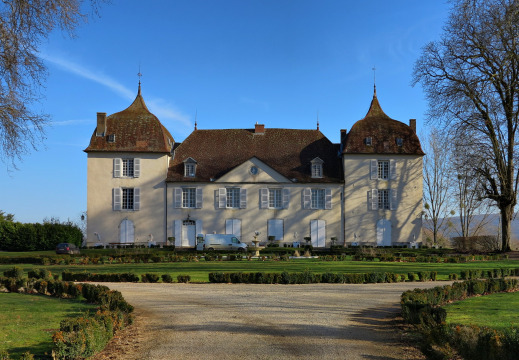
(199, 270)
(27, 322)
(498, 311)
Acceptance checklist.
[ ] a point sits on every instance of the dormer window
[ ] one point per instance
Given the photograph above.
(368, 141)
(111, 138)
(189, 167)
(317, 168)
(399, 141)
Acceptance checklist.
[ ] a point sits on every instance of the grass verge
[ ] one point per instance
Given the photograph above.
(199, 271)
(496, 311)
(27, 322)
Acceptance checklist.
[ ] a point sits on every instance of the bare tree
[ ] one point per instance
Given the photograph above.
(436, 176)
(471, 80)
(467, 189)
(23, 26)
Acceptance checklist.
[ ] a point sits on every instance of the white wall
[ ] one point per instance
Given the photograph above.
(103, 220)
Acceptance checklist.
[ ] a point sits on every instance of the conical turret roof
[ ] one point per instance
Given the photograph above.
(134, 129)
(387, 136)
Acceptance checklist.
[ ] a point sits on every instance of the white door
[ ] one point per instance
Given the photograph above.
(318, 233)
(126, 232)
(188, 233)
(233, 226)
(275, 228)
(384, 232)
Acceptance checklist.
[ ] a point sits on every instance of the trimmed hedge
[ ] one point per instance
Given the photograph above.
(79, 338)
(305, 277)
(86, 276)
(440, 341)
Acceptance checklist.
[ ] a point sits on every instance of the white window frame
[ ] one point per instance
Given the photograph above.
(383, 169)
(189, 170)
(317, 168)
(384, 199)
(318, 199)
(128, 167)
(275, 198)
(232, 198)
(126, 199)
(189, 198)
(190, 167)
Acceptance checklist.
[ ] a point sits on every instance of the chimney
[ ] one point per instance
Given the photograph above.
(101, 124)
(259, 129)
(344, 132)
(412, 124)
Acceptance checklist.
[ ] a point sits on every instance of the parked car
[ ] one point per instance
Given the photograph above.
(67, 248)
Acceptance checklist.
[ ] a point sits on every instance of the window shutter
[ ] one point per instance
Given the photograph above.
(393, 203)
(264, 198)
(136, 167)
(374, 199)
(177, 197)
(392, 169)
(117, 167)
(177, 224)
(243, 198)
(286, 198)
(328, 199)
(136, 199)
(199, 197)
(198, 227)
(307, 198)
(117, 194)
(374, 169)
(222, 198)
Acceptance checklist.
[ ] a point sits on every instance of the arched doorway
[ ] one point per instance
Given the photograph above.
(126, 232)
(384, 232)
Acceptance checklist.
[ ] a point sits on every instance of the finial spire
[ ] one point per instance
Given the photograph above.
(317, 120)
(374, 81)
(139, 75)
(196, 116)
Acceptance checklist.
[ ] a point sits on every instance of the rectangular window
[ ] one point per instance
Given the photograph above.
(318, 198)
(189, 170)
(383, 169)
(383, 199)
(233, 198)
(128, 167)
(188, 197)
(275, 199)
(127, 203)
(317, 170)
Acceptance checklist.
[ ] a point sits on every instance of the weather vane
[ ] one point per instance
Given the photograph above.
(374, 78)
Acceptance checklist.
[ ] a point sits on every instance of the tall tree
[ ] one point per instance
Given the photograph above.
(467, 190)
(23, 26)
(436, 178)
(471, 80)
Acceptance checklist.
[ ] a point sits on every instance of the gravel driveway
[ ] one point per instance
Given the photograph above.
(226, 321)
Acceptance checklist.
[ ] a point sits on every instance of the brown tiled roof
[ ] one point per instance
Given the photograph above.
(384, 132)
(136, 129)
(287, 151)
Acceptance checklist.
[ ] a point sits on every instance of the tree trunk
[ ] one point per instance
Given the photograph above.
(506, 227)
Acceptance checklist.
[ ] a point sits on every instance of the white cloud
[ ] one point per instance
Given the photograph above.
(163, 109)
(68, 122)
(88, 74)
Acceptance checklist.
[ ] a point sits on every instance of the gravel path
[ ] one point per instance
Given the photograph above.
(225, 321)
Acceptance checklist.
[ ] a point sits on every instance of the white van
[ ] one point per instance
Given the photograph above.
(212, 242)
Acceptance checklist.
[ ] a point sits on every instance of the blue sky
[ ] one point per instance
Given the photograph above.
(233, 63)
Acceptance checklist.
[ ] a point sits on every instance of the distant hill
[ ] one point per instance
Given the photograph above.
(493, 223)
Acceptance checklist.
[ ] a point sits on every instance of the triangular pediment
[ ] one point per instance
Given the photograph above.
(253, 171)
